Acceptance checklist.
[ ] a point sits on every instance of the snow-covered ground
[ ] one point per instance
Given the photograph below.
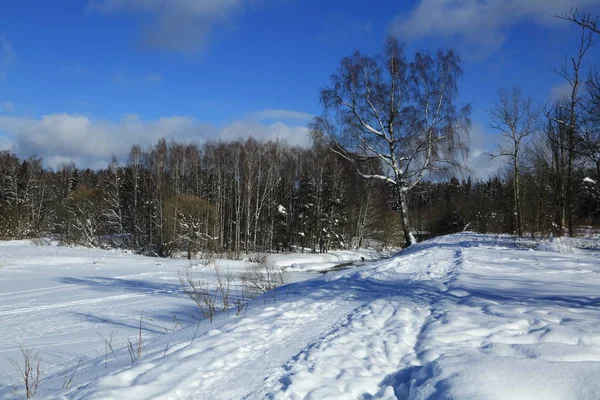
(459, 317)
(65, 302)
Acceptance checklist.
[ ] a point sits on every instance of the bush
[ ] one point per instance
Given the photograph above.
(210, 299)
(262, 277)
(30, 373)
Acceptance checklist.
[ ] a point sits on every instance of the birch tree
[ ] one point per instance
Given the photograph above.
(189, 224)
(403, 114)
(515, 117)
(83, 222)
(573, 73)
(133, 195)
(112, 204)
(550, 160)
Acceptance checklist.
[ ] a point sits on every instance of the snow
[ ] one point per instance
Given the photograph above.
(560, 245)
(311, 262)
(412, 237)
(589, 180)
(281, 209)
(466, 316)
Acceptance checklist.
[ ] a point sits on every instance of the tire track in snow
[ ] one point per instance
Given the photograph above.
(375, 349)
(69, 304)
(355, 359)
(44, 289)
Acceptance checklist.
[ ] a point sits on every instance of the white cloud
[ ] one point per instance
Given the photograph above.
(560, 91)
(295, 135)
(479, 165)
(480, 25)
(88, 142)
(280, 115)
(177, 25)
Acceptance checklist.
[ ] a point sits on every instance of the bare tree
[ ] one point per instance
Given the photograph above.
(83, 216)
(189, 224)
(112, 209)
(581, 18)
(401, 113)
(572, 72)
(134, 175)
(515, 117)
(591, 132)
(549, 159)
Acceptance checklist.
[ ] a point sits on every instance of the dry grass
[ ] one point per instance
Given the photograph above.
(31, 372)
(262, 277)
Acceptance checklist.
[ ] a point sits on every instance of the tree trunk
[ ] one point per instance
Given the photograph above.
(401, 207)
(518, 215)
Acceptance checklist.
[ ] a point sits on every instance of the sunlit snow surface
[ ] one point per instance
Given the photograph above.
(459, 317)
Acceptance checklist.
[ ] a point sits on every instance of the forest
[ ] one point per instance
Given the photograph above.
(384, 170)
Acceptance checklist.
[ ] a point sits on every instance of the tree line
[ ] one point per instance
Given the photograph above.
(251, 196)
(487, 206)
(240, 196)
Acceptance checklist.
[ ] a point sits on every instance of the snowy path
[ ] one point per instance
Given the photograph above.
(376, 346)
(356, 359)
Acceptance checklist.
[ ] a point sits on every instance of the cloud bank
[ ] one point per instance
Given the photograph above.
(62, 138)
(88, 142)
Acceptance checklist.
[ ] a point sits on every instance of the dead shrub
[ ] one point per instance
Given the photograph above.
(31, 372)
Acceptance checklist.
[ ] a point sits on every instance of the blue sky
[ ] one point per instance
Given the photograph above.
(81, 80)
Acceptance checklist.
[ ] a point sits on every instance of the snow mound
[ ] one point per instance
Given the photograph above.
(500, 378)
